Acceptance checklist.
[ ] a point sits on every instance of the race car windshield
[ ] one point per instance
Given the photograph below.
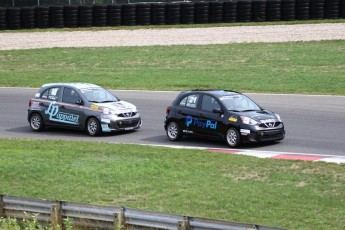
(98, 95)
(239, 103)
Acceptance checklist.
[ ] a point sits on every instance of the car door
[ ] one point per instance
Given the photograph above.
(71, 109)
(187, 113)
(49, 100)
(210, 120)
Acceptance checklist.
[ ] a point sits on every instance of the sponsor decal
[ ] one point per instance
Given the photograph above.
(94, 107)
(55, 115)
(119, 105)
(245, 132)
(233, 119)
(202, 124)
(187, 131)
(267, 120)
(35, 104)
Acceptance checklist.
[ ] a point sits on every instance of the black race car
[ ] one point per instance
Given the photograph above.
(81, 106)
(221, 114)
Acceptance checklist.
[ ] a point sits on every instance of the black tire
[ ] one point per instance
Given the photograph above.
(114, 15)
(174, 132)
(93, 126)
(229, 11)
(187, 13)
(172, 13)
(56, 16)
(244, 11)
(128, 15)
(233, 138)
(42, 17)
(36, 122)
(143, 14)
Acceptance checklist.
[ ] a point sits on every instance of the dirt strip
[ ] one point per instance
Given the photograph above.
(180, 36)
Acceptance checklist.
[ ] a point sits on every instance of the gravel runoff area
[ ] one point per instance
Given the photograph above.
(175, 36)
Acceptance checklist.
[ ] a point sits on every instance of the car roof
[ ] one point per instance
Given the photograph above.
(78, 85)
(215, 92)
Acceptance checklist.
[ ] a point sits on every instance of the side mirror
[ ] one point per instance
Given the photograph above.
(217, 110)
(79, 102)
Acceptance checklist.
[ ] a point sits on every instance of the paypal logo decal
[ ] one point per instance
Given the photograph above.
(202, 124)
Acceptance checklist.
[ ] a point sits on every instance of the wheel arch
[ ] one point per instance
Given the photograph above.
(42, 122)
(98, 131)
(88, 118)
(237, 128)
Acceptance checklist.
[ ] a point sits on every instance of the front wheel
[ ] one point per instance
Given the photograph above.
(233, 137)
(93, 127)
(173, 131)
(36, 122)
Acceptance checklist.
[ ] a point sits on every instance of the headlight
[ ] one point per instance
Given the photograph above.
(109, 111)
(248, 121)
(105, 111)
(278, 117)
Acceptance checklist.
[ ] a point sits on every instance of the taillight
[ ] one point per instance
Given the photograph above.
(30, 103)
(167, 110)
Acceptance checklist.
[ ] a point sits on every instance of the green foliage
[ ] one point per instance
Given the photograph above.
(31, 223)
(9, 224)
(286, 194)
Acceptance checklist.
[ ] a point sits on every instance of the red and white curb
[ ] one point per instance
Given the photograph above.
(268, 154)
(283, 155)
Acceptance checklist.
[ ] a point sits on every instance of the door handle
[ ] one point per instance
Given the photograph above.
(62, 106)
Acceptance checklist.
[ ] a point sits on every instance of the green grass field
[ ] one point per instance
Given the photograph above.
(285, 194)
(277, 193)
(293, 67)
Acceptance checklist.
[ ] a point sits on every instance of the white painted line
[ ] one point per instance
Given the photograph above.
(334, 159)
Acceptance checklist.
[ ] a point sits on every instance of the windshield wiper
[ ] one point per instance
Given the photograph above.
(107, 101)
(249, 110)
(233, 110)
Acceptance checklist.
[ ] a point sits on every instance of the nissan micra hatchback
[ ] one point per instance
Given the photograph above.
(81, 106)
(220, 114)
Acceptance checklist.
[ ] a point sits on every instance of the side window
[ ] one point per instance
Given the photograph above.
(209, 103)
(70, 96)
(51, 94)
(190, 101)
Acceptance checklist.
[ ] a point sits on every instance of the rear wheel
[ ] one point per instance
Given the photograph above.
(36, 122)
(93, 127)
(173, 131)
(233, 137)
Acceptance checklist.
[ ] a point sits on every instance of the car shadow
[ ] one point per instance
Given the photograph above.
(54, 131)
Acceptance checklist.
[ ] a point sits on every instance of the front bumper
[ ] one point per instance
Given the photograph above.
(262, 135)
(113, 124)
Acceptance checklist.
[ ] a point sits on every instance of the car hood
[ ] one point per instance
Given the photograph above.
(119, 106)
(262, 116)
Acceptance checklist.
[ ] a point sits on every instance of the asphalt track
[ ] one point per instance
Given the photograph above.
(314, 124)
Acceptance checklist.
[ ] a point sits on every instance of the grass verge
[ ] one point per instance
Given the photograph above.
(293, 67)
(277, 193)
